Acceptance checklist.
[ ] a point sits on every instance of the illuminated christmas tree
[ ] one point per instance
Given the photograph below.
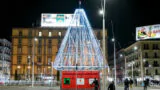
(80, 49)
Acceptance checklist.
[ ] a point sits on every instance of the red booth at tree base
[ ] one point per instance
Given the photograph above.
(79, 80)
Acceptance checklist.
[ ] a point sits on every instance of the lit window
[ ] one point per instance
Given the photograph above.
(50, 34)
(40, 34)
(59, 33)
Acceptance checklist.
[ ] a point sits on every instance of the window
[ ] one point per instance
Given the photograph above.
(156, 72)
(39, 59)
(19, 50)
(39, 42)
(147, 72)
(30, 50)
(50, 34)
(39, 50)
(30, 33)
(39, 69)
(19, 41)
(146, 64)
(49, 60)
(155, 55)
(30, 42)
(20, 33)
(155, 46)
(155, 64)
(49, 50)
(19, 59)
(40, 34)
(146, 46)
(28, 60)
(146, 55)
(59, 33)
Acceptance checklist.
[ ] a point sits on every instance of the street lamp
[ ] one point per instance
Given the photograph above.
(33, 54)
(123, 55)
(19, 72)
(113, 40)
(104, 52)
(135, 48)
(132, 68)
(101, 12)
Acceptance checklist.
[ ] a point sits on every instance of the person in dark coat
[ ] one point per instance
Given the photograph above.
(111, 86)
(96, 84)
(135, 82)
(145, 84)
(126, 84)
(131, 83)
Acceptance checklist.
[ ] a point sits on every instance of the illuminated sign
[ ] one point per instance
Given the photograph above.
(58, 20)
(148, 32)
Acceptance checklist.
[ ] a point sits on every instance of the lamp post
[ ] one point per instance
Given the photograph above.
(102, 12)
(19, 72)
(113, 40)
(135, 48)
(33, 55)
(124, 57)
(132, 68)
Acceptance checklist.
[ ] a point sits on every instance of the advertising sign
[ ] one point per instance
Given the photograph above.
(91, 80)
(66, 80)
(58, 20)
(80, 81)
(148, 32)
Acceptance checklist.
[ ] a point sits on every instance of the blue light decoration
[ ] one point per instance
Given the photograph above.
(80, 49)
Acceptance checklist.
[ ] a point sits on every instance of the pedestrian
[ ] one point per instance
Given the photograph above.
(135, 81)
(126, 84)
(96, 84)
(131, 83)
(145, 84)
(147, 80)
(111, 86)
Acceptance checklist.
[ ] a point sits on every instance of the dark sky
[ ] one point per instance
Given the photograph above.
(125, 14)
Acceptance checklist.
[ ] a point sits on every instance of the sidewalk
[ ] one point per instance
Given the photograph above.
(149, 87)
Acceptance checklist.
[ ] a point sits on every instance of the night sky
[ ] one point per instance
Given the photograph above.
(125, 14)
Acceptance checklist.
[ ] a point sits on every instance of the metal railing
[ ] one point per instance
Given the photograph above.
(29, 83)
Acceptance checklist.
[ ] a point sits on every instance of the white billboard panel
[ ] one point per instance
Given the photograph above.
(58, 20)
(80, 81)
(148, 32)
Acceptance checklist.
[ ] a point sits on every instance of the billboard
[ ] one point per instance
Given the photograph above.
(58, 20)
(148, 32)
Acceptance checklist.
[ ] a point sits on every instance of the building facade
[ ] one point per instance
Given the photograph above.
(5, 59)
(120, 66)
(34, 49)
(143, 60)
(137, 61)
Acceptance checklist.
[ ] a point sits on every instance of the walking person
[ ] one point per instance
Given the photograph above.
(111, 86)
(145, 84)
(131, 83)
(126, 84)
(135, 81)
(96, 84)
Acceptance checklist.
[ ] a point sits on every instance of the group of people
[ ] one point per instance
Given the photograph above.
(127, 84)
(96, 85)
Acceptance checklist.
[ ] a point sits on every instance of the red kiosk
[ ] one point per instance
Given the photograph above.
(79, 80)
